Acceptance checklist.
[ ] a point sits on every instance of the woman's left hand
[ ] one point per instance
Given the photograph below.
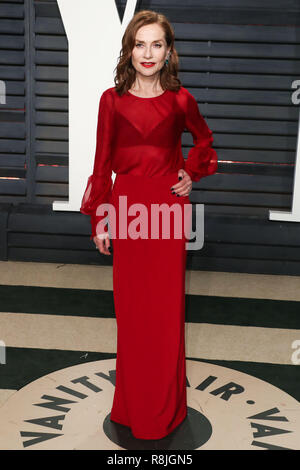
(184, 187)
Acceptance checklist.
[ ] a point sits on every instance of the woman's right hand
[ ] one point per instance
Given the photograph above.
(102, 243)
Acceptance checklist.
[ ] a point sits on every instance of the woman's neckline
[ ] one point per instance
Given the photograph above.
(147, 97)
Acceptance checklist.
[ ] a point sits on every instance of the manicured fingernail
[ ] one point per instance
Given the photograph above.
(180, 178)
(173, 192)
(177, 194)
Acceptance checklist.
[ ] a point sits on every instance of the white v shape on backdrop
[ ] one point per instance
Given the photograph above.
(94, 33)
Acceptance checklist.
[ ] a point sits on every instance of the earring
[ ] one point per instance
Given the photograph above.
(167, 60)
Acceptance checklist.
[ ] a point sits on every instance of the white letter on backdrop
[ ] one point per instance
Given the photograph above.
(94, 33)
(294, 215)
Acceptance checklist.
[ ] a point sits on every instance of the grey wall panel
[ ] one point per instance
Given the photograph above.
(11, 26)
(11, 160)
(52, 118)
(8, 72)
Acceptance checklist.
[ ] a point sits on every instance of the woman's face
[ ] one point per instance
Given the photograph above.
(150, 46)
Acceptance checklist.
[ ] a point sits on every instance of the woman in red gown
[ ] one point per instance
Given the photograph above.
(140, 123)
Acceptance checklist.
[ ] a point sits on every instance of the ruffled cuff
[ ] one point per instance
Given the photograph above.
(201, 162)
(98, 192)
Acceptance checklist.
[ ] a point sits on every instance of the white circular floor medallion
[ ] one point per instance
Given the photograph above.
(227, 409)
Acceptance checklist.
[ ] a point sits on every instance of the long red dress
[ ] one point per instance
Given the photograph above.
(140, 140)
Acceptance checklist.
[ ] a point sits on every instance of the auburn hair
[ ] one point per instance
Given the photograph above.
(125, 72)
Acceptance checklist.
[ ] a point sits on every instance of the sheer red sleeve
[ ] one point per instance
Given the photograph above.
(202, 159)
(99, 184)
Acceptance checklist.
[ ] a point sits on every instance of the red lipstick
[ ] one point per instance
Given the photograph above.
(147, 64)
